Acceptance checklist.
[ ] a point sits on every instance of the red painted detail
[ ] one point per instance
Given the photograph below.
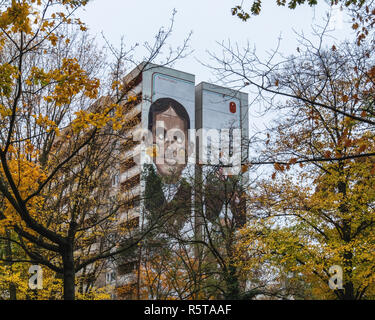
(233, 107)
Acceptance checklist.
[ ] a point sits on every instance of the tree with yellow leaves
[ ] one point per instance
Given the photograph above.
(59, 144)
(317, 214)
(362, 12)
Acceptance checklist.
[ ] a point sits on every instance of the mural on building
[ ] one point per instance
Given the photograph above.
(169, 123)
(170, 117)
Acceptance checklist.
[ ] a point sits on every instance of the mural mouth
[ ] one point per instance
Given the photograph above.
(170, 161)
(174, 156)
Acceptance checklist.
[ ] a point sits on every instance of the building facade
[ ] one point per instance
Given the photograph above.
(173, 128)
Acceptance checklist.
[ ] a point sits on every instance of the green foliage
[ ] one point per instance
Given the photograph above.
(256, 6)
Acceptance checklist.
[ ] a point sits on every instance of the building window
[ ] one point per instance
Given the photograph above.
(112, 113)
(110, 277)
(115, 180)
(127, 268)
(209, 150)
(231, 142)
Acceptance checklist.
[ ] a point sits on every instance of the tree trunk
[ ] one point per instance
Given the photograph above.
(12, 291)
(69, 273)
(348, 286)
(8, 253)
(349, 291)
(231, 279)
(348, 255)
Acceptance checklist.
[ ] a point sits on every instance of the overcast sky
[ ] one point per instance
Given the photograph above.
(210, 21)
